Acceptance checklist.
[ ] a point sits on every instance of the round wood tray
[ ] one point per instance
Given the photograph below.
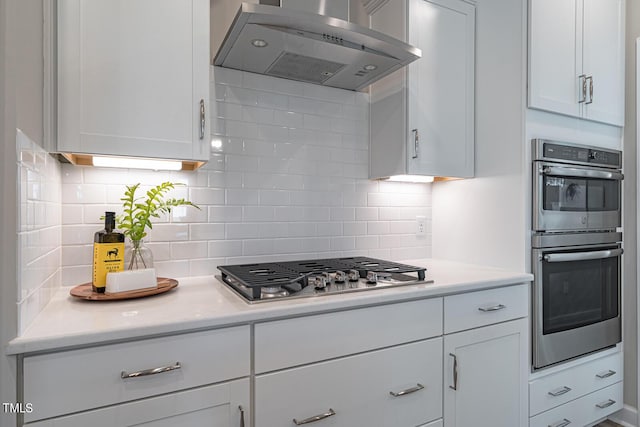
(84, 291)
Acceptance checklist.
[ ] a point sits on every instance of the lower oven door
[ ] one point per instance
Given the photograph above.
(576, 301)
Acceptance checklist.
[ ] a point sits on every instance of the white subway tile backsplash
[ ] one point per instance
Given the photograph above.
(206, 231)
(188, 250)
(287, 179)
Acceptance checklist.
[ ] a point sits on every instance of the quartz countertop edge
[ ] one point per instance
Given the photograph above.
(205, 303)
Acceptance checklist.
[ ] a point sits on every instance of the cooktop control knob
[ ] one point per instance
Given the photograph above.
(320, 283)
(340, 277)
(354, 275)
(372, 277)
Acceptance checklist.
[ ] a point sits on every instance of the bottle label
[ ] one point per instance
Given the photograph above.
(107, 258)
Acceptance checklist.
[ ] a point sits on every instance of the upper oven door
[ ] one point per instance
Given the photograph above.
(575, 198)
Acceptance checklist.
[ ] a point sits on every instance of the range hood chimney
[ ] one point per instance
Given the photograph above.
(296, 42)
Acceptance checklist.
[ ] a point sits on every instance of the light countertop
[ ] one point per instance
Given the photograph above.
(205, 302)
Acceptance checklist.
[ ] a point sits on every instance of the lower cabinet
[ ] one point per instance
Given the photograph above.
(485, 376)
(222, 405)
(393, 387)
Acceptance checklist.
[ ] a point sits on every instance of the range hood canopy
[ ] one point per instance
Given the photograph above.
(308, 47)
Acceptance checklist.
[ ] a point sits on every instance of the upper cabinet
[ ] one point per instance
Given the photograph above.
(422, 117)
(576, 58)
(133, 78)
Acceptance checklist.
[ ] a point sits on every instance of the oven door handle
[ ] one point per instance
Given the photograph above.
(583, 256)
(581, 173)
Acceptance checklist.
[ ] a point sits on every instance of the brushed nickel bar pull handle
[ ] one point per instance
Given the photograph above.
(418, 387)
(583, 79)
(583, 256)
(492, 308)
(416, 142)
(590, 78)
(581, 173)
(315, 418)
(202, 119)
(606, 404)
(152, 371)
(241, 409)
(559, 391)
(607, 374)
(563, 423)
(455, 372)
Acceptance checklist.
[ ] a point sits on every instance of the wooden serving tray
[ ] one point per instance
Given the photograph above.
(84, 291)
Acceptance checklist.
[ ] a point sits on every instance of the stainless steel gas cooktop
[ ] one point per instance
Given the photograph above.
(310, 278)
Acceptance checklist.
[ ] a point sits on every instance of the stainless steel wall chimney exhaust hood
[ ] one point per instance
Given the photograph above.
(312, 48)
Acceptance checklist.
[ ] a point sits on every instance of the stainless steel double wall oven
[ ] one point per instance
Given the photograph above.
(576, 250)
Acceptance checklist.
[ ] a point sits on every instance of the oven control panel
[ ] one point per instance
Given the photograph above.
(573, 153)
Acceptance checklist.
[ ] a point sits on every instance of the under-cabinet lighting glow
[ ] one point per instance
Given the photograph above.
(410, 178)
(133, 163)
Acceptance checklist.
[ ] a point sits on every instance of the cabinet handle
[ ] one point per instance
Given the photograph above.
(583, 79)
(559, 391)
(492, 308)
(563, 423)
(315, 418)
(241, 409)
(607, 374)
(418, 387)
(455, 372)
(202, 119)
(152, 371)
(590, 78)
(606, 404)
(416, 142)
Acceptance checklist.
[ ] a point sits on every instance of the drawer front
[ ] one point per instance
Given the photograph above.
(558, 388)
(582, 411)
(286, 343)
(77, 380)
(475, 309)
(364, 400)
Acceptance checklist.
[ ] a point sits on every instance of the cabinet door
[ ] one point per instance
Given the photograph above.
(554, 56)
(485, 378)
(132, 75)
(603, 60)
(218, 405)
(441, 88)
(395, 387)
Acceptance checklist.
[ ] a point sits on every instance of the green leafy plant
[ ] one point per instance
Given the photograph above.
(139, 211)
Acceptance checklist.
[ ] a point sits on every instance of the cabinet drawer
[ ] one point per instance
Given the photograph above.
(582, 411)
(76, 380)
(558, 388)
(365, 399)
(475, 309)
(214, 405)
(285, 343)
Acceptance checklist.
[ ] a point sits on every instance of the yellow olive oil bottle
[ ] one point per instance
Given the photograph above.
(108, 252)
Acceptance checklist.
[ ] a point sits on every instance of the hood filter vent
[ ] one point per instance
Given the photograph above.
(305, 68)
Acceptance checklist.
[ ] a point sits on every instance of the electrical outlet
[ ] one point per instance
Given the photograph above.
(421, 226)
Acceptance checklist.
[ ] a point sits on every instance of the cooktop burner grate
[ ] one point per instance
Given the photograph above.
(249, 279)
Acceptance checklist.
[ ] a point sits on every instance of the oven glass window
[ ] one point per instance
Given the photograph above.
(579, 293)
(580, 194)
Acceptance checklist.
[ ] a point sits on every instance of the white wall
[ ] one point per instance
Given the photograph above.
(287, 180)
(630, 325)
(20, 107)
(482, 220)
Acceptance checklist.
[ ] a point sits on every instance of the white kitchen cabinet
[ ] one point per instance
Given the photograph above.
(394, 387)
(576, 58)
(222, 405)
(133, 78)
(485, 376)
(67, 382)
(422, 117)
